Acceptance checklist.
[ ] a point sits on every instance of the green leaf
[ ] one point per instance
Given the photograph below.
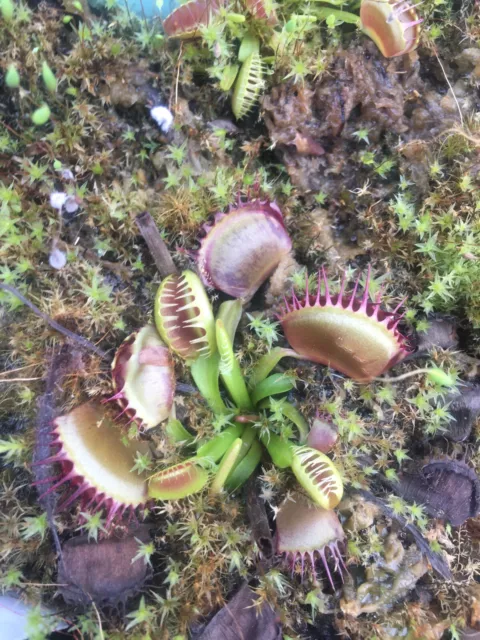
(268, 362)
(245, 467)
(229, 76)
(226, 466)
(176, 432)
(205, 373)
(250, 44)
(230, 369)
(280, 450)
(276, 383)
(7, 9)
(215, 448)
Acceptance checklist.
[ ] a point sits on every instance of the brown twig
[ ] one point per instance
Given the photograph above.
(258, 518)
(156, 245)
(81, 341)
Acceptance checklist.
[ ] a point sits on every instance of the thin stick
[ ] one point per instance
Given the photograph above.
(20, 379)
(156, 245)
(404, 376)
(100, 628)
(258, 518)
(83, 342)
(449, 85)
(27, 366)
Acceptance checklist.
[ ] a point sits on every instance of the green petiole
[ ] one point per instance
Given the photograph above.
(267, 363)
(276, 383)
(245, 467)
(226, 466)
(215, 448)
(176, 432)
(230, 369)
(205, 374)
(280, 450)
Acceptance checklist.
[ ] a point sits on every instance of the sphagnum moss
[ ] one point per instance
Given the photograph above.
(120, 166)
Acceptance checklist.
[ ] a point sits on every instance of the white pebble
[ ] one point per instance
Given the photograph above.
(60, 200)
(163, 117)
(67, 174)
(57, 258)
(71, 204)
(57, 199)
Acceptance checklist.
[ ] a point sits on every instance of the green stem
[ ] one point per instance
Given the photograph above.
(230, 369)
(226, 466)
(268, 362)
(245, 468)
(343, 16)
(280, 450)
(248, 436)
(294, 415)
(276, 383)
(230, 313)
(176, 432)
(205, 374)
(215, 448)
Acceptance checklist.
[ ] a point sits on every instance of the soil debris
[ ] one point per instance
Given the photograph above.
(448, 489)
(105, 571)
(242, 618)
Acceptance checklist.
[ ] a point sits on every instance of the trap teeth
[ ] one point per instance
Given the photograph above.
(96, 463)
(184, 316)
(345, 332)
(393, 26)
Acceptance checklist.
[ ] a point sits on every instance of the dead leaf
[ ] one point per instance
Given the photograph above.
(102, 571)
(240, 619)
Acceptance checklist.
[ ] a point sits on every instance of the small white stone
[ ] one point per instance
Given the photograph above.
(67, 174)
(57, 199)
(71, 204)
(57, 258)
(163, 117)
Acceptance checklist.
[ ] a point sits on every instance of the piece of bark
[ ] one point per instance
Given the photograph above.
(156, 245)
(66, 360)
(441, 334)
(447, 489)
(257, 516)
(464, 407)
(240, 619)
(103, 572)
(469, 634)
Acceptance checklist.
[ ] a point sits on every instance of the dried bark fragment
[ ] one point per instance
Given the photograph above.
(66, 360)
(102, 571)
(156, 245)
(448, 489)
(258, 518)
(240, 619)
(464, 407)
(441, 333)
